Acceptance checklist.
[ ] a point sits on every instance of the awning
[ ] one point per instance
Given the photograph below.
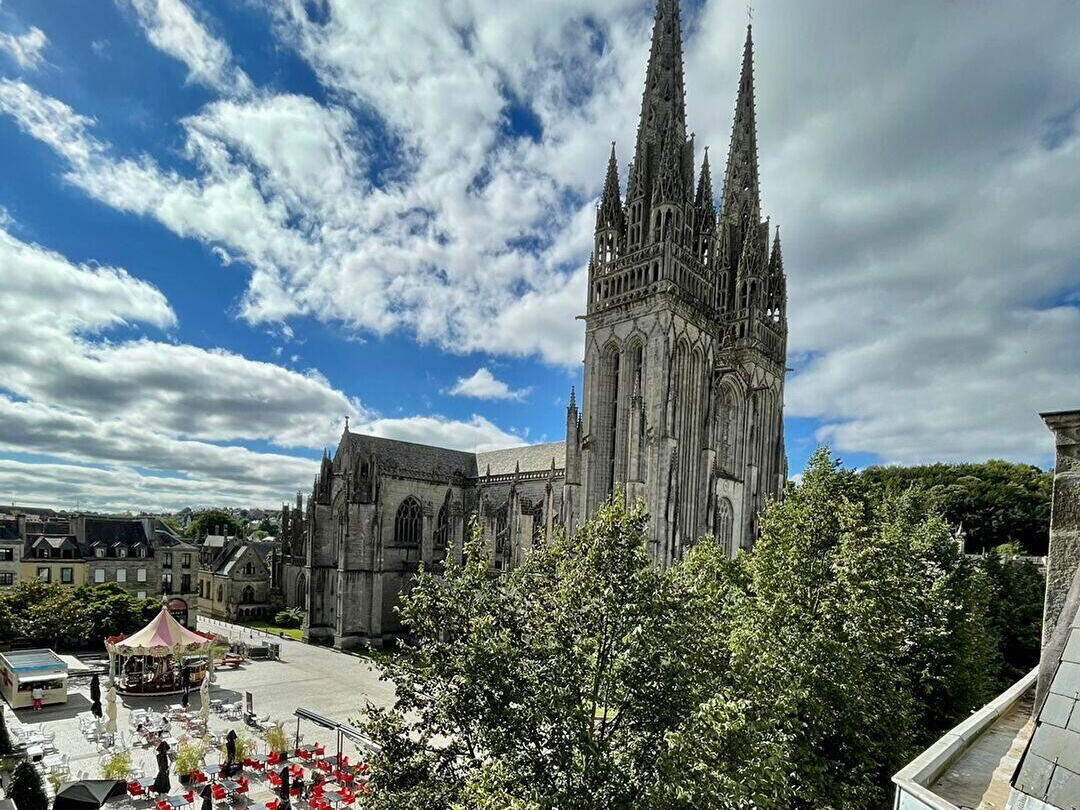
(343, 729)
(41, 678)
(163, 637)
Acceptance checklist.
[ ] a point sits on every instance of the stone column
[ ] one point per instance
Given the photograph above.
(1063, 558)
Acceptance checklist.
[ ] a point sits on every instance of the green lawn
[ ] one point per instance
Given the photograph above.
(294, 633)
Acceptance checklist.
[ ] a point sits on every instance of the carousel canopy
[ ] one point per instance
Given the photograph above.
(163, 636)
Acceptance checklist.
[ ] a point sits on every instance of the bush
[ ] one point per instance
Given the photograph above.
(189, 756)
(26, 789)
(293, 617)
(276, 739)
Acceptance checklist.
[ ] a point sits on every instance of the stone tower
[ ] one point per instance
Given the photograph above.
(686, 328)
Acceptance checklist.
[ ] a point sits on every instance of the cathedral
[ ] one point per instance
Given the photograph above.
(682, 404)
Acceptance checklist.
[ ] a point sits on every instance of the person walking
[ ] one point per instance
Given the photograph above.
(38, 694)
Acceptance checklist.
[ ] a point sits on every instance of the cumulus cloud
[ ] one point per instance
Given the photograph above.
(25, 49)
(173, 29)
(482, 384)
(161, 423)
(926, 185)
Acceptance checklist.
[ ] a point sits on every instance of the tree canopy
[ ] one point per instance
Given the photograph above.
(213, 521)
(994, 503)
(53, 615)
(800, 675)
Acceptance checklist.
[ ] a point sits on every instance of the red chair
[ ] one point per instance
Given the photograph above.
(274, 758)
(362, 767)
(319, 750)
(324, 765)
(257, 766)
(273, 805)
(273, 778)
(218, 792)
(163, 805)
(190, 796)
(242, 785)
(135, 791)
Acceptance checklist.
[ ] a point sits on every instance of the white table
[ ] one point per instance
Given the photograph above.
(35, 751)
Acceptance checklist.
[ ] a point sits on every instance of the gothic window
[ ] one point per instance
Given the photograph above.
(221, 593)
(301, 591)
(442, 525)
(727, 416)
(247, 596)
(407, 523)
(724, 521)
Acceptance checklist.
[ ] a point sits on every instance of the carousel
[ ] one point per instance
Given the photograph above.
(164, 658)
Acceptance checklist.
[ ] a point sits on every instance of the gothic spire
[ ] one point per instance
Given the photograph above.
(669, 179)
(741, 196)
(704, 200)
(609, 214)
(663, 110)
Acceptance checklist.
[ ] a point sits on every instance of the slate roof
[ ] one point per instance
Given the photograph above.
(9, 530)
(393, 454)
(227, 562)
(1050, 768)
(532, 457)
(115, 532)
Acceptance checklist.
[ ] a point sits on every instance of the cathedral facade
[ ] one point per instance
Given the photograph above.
(682, 405)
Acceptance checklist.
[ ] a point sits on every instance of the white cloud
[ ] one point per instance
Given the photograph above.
(925, 184)
(26, 48)
(173, 29)
(483, 385)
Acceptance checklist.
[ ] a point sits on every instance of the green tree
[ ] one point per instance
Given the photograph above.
(26, 789)
(583, 679)
(994, 503)
(48, 614)
(112, 611)
(213, 521)
(1015, 615)
(864, 625)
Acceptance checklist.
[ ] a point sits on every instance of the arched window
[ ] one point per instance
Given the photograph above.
(442, 526)
(407, 523)
(300, 599)
(725, 519)
(247, 596)
(221, 593)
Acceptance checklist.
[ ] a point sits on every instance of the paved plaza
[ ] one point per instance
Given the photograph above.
(328, 682)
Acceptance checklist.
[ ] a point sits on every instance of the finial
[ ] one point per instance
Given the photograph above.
(346, 423)
(572, 402)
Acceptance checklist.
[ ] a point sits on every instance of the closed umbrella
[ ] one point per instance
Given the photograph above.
(162, 783)
(185, 681)
(230, 752)
(110, 710)
(207, 797)
(204, 697)
(95, 697)
(284, 790)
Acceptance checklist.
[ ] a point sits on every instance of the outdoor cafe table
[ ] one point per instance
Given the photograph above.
(212, 770)
(177, 801)
(35, 751)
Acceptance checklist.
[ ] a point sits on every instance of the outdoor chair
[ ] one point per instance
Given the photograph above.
(273, 805)
(163, 805)
(242, 785)
(219, 793)
(135, 791)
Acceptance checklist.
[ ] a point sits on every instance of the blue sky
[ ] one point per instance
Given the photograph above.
(227, 226)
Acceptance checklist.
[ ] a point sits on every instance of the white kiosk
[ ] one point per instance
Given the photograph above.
(22, 670)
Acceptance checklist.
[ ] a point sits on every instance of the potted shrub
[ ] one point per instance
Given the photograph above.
(245, 746)
(117, 766)
(276, 740)
(189, 758)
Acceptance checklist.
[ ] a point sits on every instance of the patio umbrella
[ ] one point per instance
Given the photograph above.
(95, 697)
(87, 794)
(283, 791)
(110, 710)
(207, 797)
(162, 783)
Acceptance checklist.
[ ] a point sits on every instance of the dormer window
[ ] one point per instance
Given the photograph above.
(140, 551)
(99, 551)
(121, 552)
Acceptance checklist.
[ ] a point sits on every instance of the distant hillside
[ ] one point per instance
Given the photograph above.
(996, 502)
